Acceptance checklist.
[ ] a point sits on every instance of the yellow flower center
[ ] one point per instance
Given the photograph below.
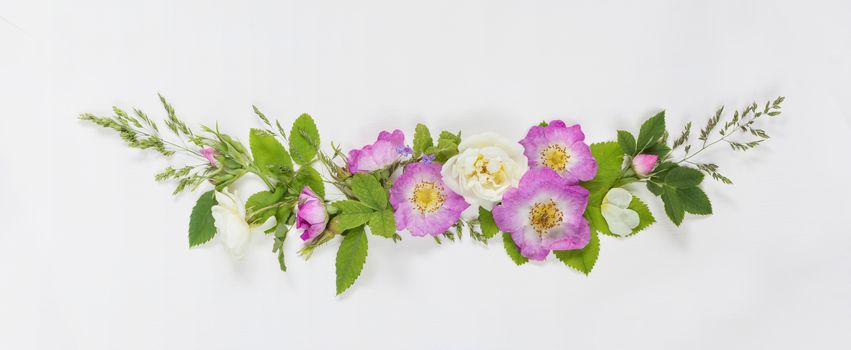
(555, 157)
(428, 197)
(544, 216)
(486, 171)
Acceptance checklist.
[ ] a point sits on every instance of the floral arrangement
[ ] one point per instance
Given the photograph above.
(551, 191)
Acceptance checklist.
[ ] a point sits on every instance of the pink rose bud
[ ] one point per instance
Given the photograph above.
(643, 164)
(210, 154)
(311, 215)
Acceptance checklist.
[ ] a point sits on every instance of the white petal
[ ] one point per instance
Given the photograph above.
(619, 197)
(621, 221)
(232, 229)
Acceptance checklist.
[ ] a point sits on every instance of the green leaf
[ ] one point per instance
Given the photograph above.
(654, 188)
(350, 221)
(382, 223)
(446, 135)
(645, 217)
(446, 148)
(308, 176)
(422, 139)
(659, 149)
(369, 191)
(609, 156)
(673, 205)
(651, 131)
(350, 258)
(683, 177)
(595, 218)
(202, 227)
(261, 200)
(280, 236)
(582, 260)
(627, 142)
(695, 201)
(304, 140)
(268, 153)
(352, 207)
(487, 223)
(512, 250)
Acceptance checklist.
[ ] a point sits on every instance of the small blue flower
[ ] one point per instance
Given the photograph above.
(427, 158)
(404, 151)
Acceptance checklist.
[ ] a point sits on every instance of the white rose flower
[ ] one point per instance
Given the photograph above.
(615, 209)
(231, 227)
(485, 167)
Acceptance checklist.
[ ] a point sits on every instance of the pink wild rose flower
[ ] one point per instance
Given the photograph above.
(380, 154)
(562, 149)
(544, 213)
(422, 203)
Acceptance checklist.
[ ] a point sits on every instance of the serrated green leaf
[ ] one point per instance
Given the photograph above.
(582, 260)
(261, 200)
(446, 135)
(695, 201)
(349, 221)
(304, 140)
(446, 148)
(280, 236)
(651, 131)
(595, 218)
(382, 223)
(352, 207)
(673, 205)
(654, 188)
(308, 176)
(659, 149)
(422, 139)
(369, 191)
(487, 223)
(269, 155)
(202, 227)
(609, 156)
(627, 142)
(512, 250)
(682, 177)
(350, 258)
(645, 217)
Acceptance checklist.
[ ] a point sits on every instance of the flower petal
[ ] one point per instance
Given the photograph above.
(618, 197)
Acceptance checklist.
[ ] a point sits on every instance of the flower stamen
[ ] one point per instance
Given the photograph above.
(545, 216)
(555, 157)
(427, 197)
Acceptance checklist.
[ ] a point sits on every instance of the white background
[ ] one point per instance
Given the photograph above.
(93, 253)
